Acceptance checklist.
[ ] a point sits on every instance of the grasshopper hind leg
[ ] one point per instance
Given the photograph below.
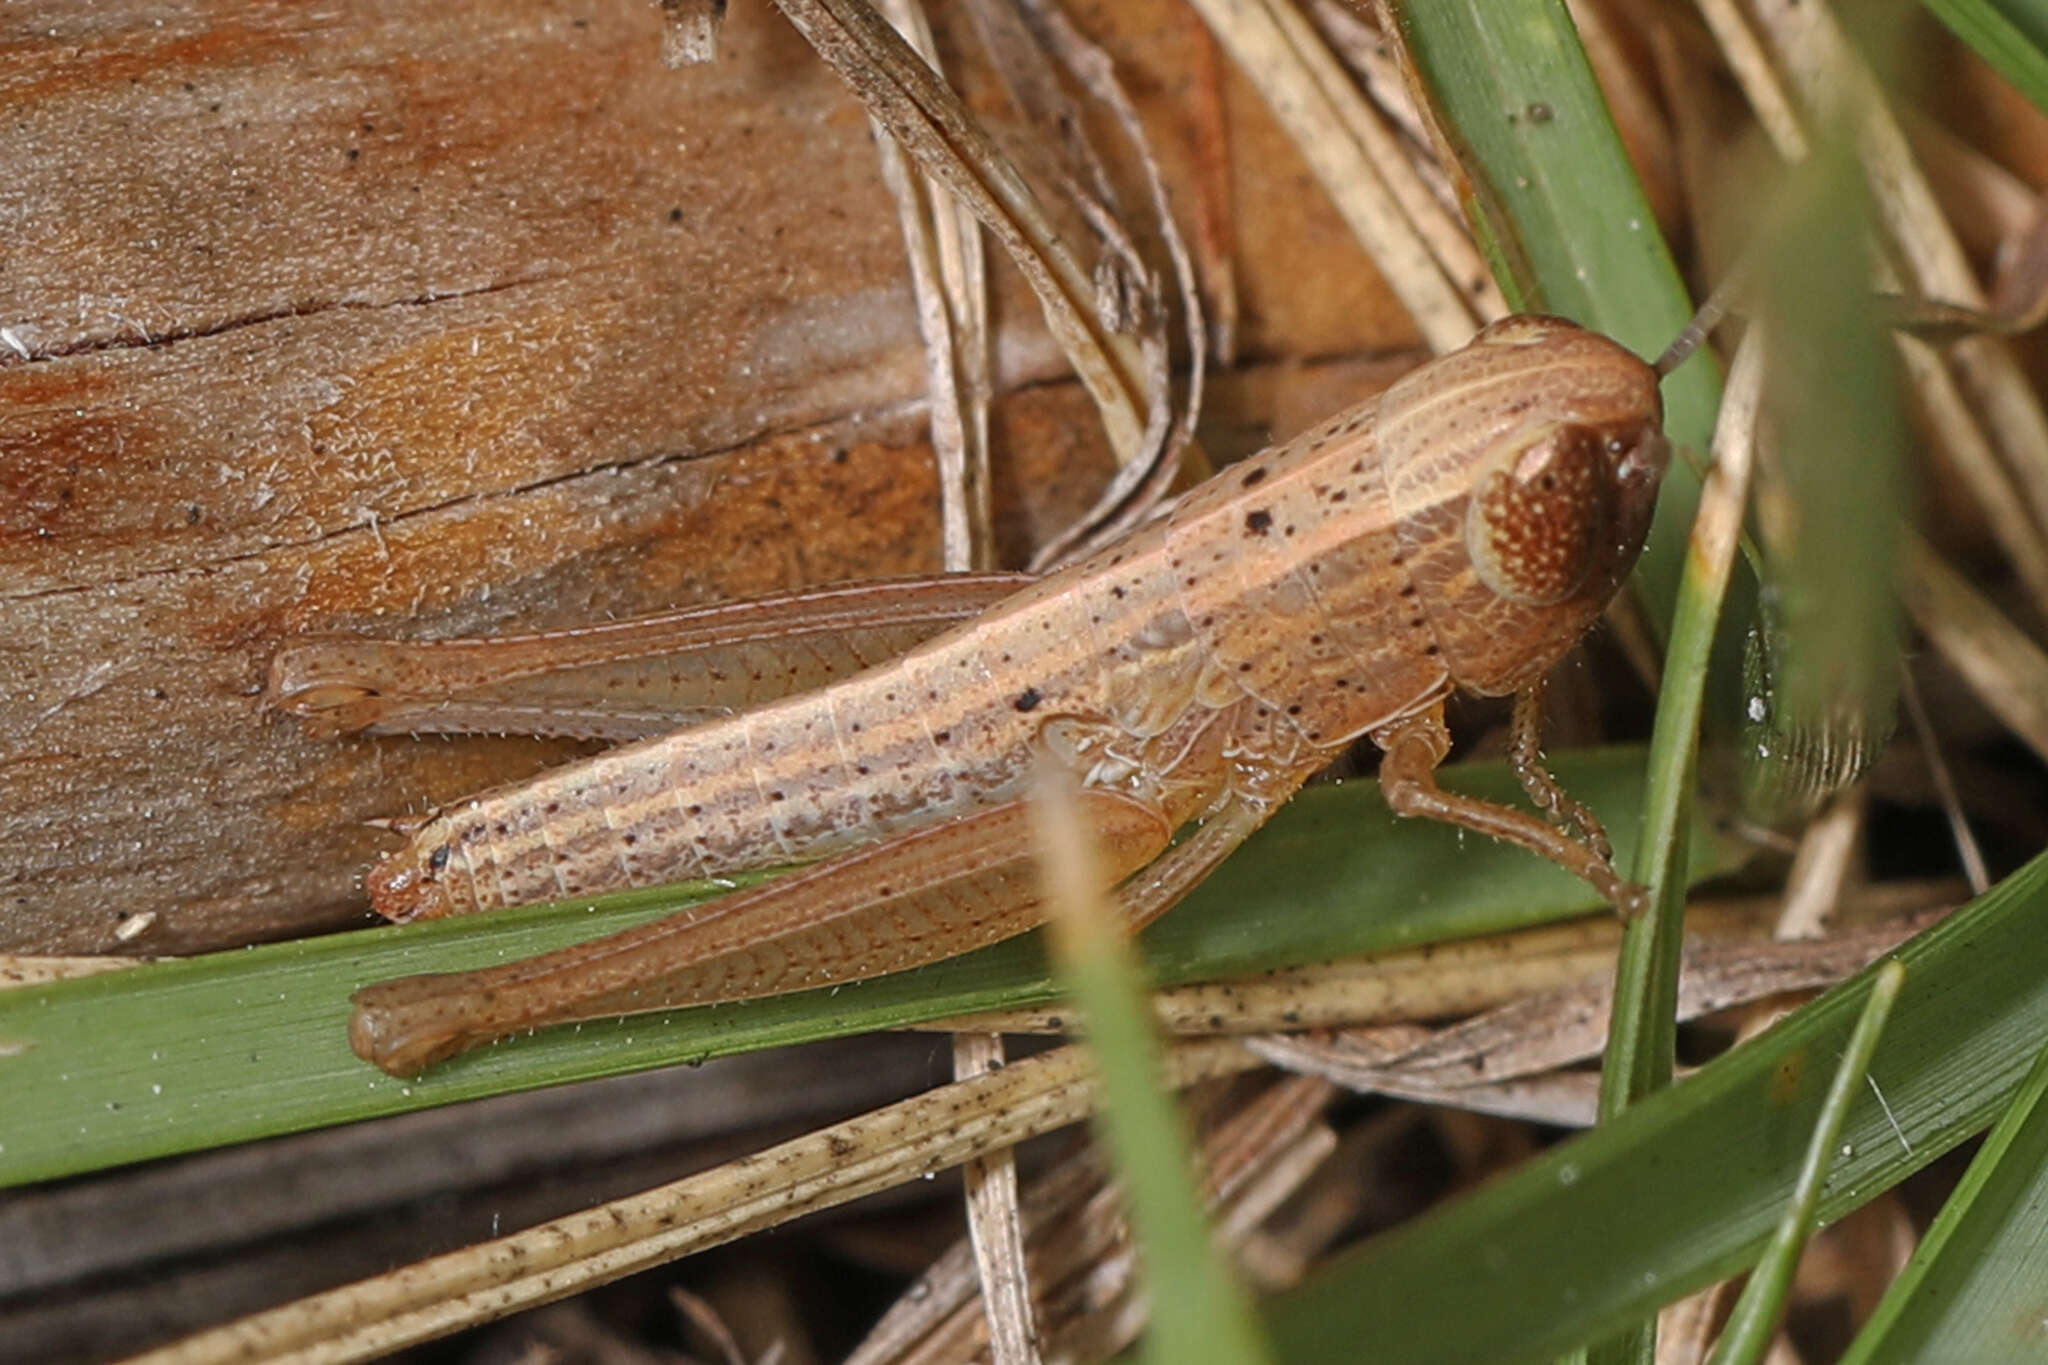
(929, 894)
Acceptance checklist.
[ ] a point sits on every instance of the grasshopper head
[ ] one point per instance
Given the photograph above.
(1523, 472)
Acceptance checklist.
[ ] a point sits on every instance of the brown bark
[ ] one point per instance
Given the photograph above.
(418, 320)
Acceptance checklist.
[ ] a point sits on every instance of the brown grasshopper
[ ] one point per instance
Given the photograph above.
(1463, 529)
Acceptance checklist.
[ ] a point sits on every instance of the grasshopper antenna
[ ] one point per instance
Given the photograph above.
(1692, 335)
(1709, 316)
(1720, 303)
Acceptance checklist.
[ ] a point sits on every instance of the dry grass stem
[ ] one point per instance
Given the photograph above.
(876, 1151)
(1810, 47)
(2006, 669)
(1450, 979)
(21, 970)
(1294, 72)
(1371, 59)
(948, 279)
(1686, 1329)
(1967, 450)
(938, 1317)
(1497, 1061)
(1137, 487)
(1751, 66)
(1822, 867)
(1708, 138)
(1638, 114)
(995, 1223)
(1215, 215)
(1968, 854)
(1717, 528)
(1439, 227)
(1990, 208)
(1255, 1152)
(908, 98)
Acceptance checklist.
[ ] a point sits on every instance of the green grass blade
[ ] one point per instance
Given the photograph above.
(1747, 1337)
(181, 1056)
(1199, 1312)
(2012, 35)
(1973, 1288)
(1642, 1032)
(1684, 1188)
(1831, 496)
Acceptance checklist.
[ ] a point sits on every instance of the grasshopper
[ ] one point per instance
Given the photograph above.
(1461, 530)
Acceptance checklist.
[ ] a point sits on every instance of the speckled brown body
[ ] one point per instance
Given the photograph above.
(1464, 529)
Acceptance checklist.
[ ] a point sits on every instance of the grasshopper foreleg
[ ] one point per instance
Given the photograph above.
(1416, 745)
(1525, 754)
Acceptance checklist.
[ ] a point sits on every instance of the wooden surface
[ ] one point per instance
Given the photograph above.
(420, 320)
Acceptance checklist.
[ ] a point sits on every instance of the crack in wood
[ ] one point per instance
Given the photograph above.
(22, 348)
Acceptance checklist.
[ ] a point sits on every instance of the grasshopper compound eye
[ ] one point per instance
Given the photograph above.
(1539, 518)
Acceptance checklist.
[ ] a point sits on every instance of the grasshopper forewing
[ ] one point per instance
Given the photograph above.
(1461, 530)
(622, 680)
